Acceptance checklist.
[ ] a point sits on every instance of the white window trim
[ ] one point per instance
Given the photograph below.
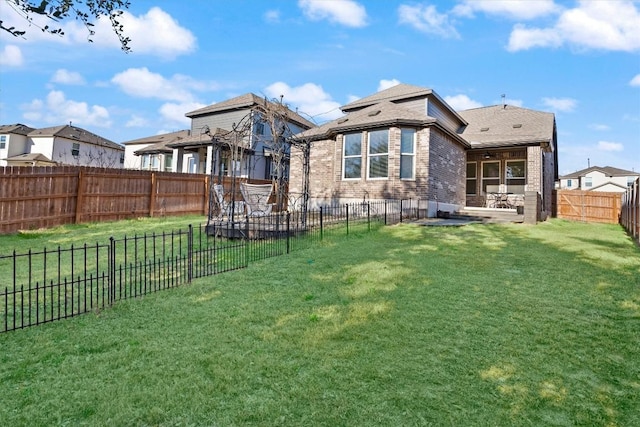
(370, 156)
(344, 156)
(412, 154)
(482, 177)
(475, 178)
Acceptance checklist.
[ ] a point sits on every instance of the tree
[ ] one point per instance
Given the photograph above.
(85, 11)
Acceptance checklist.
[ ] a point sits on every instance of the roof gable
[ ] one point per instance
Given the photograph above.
(161, 138)
(74, 133)
(246, 101)
(17, 129)
(606, 170)
(394, 93)
(500, 125)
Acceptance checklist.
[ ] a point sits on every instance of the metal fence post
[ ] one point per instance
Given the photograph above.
(368, 216)
(385, 212)
(347, 214)
(321, 229)
(190, 254)
(288, 232)
(111, 283)
(400, 210)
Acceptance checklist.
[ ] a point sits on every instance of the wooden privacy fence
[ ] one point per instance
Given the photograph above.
(630, 215)
(41, 197)
(588, 206)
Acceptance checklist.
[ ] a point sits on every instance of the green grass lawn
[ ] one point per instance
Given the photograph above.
(484, 325)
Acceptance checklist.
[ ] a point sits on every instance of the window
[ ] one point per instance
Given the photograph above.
(75, 150)
(168, 160)
(631, 180)
(569, 183)
(472, 178)
(588, 182)
(121, 157)
(352, 157)
(145, 162)
(259, 128)
(155, 162)
(490, 176)
(192, 166)
(407, 153)
(516, 176)
(3, 141)
(378, 154)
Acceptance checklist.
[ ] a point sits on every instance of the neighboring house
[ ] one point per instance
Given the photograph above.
(598, 178)
(152, 153)
(14, 142)
(407, 142)
(214, 123)
(59, 145)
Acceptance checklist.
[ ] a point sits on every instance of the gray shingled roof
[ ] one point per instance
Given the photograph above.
(245, 101)
(501, 125)
(75, 133)
(18, 129)
(161, 138)
(382, 114)
(31, 157)
(607, 170)
(394, 93)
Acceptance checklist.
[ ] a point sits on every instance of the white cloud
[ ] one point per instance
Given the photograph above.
(57, 110)
(137, 122)
(461, 102)
(310, 99)
(610, 146)
(513, 9)
(386, 84)
(272, 16)
(635, 81)
(606, 25)
(175, 112)
(426, 19)
(599, 127)
(142, 83)
(565, 105)
(345, 12)
(67, 77)
(154, 33)
(11, 56)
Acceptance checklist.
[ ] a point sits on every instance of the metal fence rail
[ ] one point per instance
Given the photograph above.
(56, 284)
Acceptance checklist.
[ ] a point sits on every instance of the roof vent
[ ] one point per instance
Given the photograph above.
(484, 129)
(374, 113)
(517, 126)
(343, 120)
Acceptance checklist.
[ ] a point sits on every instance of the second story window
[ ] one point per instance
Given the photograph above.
(378, 154)
(407, 153)
(588, 182)
(352, 156)
(75, 150)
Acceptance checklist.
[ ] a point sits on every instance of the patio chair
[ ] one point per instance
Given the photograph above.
(256, 198)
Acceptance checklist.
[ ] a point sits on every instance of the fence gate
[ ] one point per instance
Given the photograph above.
(589, 206)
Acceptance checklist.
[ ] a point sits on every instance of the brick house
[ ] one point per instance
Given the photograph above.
(406, 142)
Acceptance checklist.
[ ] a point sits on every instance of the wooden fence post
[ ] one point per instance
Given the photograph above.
(152, 196)
(79, 197)
(205, 207)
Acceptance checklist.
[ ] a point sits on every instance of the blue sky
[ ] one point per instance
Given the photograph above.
(580, 60)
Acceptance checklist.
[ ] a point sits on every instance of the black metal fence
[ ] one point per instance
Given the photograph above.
(55, 284)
